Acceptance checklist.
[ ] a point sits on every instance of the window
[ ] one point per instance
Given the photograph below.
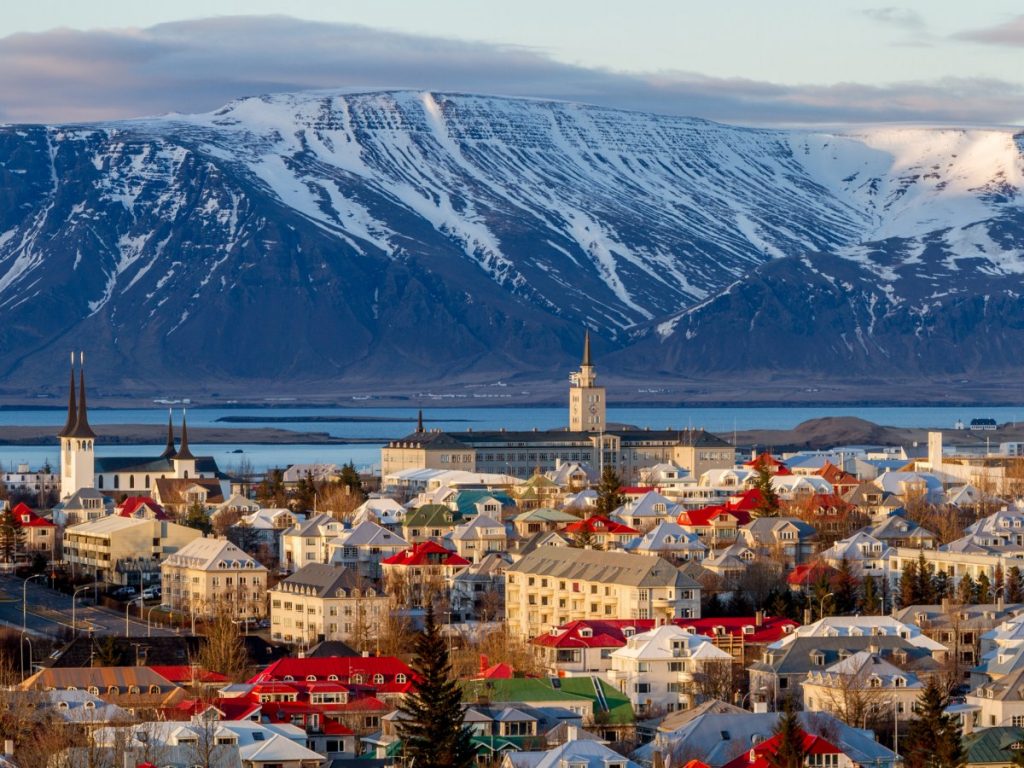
(400, 678)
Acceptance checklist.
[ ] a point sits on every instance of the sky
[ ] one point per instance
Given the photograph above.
(741, 61)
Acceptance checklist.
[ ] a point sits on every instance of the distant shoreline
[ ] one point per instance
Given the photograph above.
(156, 434)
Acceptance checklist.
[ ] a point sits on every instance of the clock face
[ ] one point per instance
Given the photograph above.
(593, 409)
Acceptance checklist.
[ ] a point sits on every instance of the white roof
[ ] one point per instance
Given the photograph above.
(208, 554)
(860, 626)
(666, 642)
(368, 533)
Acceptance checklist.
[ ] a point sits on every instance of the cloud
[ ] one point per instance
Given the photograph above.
(898, 17)
(1008, 33)
(191, 66)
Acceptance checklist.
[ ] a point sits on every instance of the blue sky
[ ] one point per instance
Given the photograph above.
(788, 61)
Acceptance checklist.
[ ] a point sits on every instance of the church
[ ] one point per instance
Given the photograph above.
(81, 468)
(588, 438)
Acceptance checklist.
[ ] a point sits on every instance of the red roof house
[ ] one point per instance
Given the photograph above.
(141, 507)
(426, 553)
(775, 467)
(760, 755)
(604, 530)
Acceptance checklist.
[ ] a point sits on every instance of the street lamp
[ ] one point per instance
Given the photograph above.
(821, 604)
(149, 617)
(24, 615)
(127, 608)
(74, 596)
(25, 639)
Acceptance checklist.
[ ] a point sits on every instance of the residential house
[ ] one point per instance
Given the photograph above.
(578, 753)
(478, 537)
(538, 491)
(717, 526)
(555, 585)
(308, 541)
(421, 572)
(533, 521)
(842, 482)
(362, 548)
(429, 522)
(259, 532)
(137, 690)
(785, 540)
(83, 505)
(382, 510)
(573, 476)
(208, 577)
(38, 485)
(668, 668)
(897, 531)
(478, 591)
(864, 687)
(647, 510)
(41, 535)
(731, 562)
(817, 751)
(999, 747)
(958, 627)
(178, 495)
(671, 540)
(874, 502)
(861, 551)
(604, 532)
(326, 602)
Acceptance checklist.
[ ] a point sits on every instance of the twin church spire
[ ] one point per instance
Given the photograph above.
(77, 424)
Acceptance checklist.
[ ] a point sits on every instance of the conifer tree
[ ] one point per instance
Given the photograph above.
(790, 751)
(999, 581)
(768, 505)
(908, 584)
(943, 586)
(925, 584)
(584, 539)
(984, 589)
(844, 588)
(12, 536)
(870, 604)
(432, 730)
(197, 518)
(1013, 585)
(933, 737)
(967, 590)
(609, 492)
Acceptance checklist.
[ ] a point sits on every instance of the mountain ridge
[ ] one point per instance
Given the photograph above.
(366, 237)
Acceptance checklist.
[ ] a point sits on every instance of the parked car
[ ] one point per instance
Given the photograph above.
(122, 593)
(151, 593)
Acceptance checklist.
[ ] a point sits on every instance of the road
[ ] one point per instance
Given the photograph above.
(48, 612)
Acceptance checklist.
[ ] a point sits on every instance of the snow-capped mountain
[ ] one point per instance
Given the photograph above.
(425, 236)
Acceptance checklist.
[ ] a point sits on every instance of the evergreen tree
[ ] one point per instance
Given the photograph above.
(1013, 585)
(790, 751)
(197, 518)
(984, 589)
(844, 588)
(584, 539)
(433, 732)
(933, 737)
(870, 604)
(943, 586)
(999, 581)
(12, 536)
(768, 505)
(925, 584)
(350, 478)
(609, 492)
(967, 590)
(908, 584)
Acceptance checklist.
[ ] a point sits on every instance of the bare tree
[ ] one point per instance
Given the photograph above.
(715, 680)
(222, 649)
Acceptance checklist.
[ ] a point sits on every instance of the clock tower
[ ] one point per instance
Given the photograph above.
(586, 401)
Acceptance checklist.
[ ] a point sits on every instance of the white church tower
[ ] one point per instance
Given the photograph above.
(77, 440)
(586, 401)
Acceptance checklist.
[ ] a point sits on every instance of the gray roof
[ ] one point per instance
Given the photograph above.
(325, 580)
(609, 567)
(795, 657)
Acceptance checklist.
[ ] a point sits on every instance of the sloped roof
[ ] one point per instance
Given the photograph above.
(601, 524)
(425, 553)
(608, 567)
(210, 554)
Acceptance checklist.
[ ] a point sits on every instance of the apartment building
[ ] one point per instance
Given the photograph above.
(208, 576)
(123, 550)
(326, 602)
(552, 586)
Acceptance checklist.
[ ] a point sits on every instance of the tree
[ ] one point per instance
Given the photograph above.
(271, 491)
(584, 539)
(12, 536)
(609, 496)
(715, 680)
(870, 603)
(1014, 590)
(933, 737)
(844, 588)
(432, 728)
(197, 518)
(984, 589)
(925, 585)
(222, 649)
(908, 584)
(967, 590)
(943, 586)
(790, 751)
(768, 505)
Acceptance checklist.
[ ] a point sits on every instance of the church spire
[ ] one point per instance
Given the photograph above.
(82, 428)
(69, 425)
(586, 348)
(184, 454)
(419, 422)
(169, 449)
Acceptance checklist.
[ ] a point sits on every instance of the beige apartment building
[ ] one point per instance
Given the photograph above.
(326, 602)
(555, 585)
(123, 550)
(208, 576)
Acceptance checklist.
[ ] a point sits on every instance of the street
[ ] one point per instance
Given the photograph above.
(48, 612)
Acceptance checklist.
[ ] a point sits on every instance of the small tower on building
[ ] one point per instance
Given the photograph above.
(184, 461)
(169, 449)
(586, 401)
(77, 440)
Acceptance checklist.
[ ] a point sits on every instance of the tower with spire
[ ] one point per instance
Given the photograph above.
(77, 440)
(586, 400)
(184, 461)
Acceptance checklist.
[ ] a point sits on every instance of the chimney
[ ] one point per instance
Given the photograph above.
(758, 619)
(572, 733)
(8, 747)
(807, 615)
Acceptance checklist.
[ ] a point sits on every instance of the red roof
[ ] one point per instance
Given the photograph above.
(837, 476)
(808, 573)
(359, 670)
(132, 504)
(610, 633)
(601, 524)
(183, 674)
(425, 553)
(637, 490)
(775, 466)
(812, 745)
(26, 518)
(772, 627)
